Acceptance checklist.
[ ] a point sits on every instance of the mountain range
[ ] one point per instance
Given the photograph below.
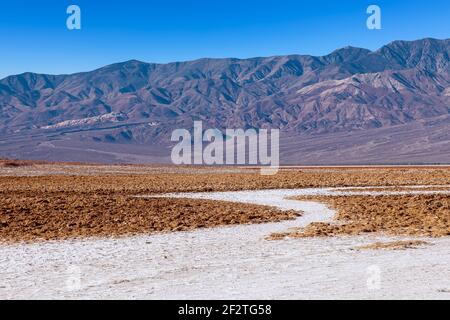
(352, 106)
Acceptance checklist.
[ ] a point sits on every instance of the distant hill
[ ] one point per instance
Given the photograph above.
(351, 106)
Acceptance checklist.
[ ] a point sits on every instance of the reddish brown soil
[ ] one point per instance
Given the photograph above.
(418, 215)
(57, 201)
(395, 245)
(26, 216)
(153, 180)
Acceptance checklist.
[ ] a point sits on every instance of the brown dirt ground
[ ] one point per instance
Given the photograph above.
(145, 180)
(57, 201)
(395, 189)
(417, 215)
(395, 245)
(28, 216)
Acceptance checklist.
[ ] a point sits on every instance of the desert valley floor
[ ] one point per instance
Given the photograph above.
(160, 232)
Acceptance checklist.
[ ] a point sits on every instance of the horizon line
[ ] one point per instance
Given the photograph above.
(224, 58)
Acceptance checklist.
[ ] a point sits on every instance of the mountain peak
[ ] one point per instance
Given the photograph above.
(427, 54)
(348, 91)
(346, 54)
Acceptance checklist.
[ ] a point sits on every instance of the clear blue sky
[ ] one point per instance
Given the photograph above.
(34, 36)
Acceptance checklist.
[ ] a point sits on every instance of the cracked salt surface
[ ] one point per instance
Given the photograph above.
(233, 262)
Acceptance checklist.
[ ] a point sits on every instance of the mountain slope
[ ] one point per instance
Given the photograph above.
(126, 112)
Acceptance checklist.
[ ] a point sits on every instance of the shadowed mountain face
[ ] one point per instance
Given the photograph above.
(351, 106)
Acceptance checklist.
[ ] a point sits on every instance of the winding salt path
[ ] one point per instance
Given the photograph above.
(311, 211)
(229, 262)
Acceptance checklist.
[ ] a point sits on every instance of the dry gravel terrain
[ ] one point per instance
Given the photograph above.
(116, 231)
(394, 245)
(28, 216)
(42, 201)
(414, 215)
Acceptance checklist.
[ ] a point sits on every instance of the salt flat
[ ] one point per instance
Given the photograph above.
(228, 262)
